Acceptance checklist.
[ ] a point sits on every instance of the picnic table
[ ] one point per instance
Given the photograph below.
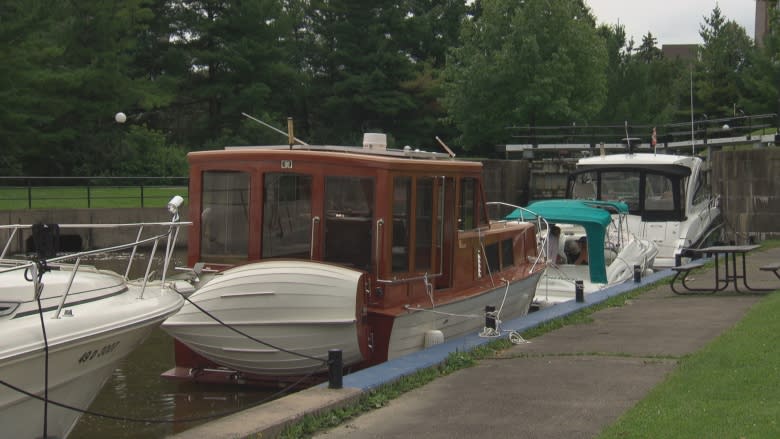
(731, 274)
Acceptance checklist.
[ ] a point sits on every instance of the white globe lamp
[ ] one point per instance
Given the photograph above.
(120, 117)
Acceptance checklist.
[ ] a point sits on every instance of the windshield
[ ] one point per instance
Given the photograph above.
(656, 195)
(615, 186)
(621, 186)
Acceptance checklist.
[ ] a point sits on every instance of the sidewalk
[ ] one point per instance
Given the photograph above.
(569, 383)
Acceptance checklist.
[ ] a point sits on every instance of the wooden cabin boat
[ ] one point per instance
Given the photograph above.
(298, 250)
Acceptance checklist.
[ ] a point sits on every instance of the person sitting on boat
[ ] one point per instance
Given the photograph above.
(582, 258)
(553, 239)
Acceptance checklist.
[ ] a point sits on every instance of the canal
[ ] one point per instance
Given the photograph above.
(156, 407)
(136, 402)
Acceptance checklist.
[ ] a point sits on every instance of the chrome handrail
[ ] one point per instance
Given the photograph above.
(170, 236)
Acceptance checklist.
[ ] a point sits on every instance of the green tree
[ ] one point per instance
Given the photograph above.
(762, 77)
(648, 51)
(99, 78)
(643, 86)
(25, 44)
(235, 56)
(358, 64)
(535, 62)
(619, 53)
(79, 68)
(724, 57)
(430, 28)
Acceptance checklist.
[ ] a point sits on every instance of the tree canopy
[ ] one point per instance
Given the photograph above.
(540, 62)
(184, 71)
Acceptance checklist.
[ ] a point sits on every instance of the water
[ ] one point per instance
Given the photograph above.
(136, 390)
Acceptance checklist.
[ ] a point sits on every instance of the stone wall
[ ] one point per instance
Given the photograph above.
(549, 177)
(749, 185)
(506, 181)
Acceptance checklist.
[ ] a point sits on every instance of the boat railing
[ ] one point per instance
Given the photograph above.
(523, 214)
(37, 266)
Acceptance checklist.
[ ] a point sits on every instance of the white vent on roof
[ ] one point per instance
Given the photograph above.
(375, 141)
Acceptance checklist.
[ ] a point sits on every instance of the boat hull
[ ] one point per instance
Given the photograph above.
(295, 311)
(558, 282)
(460, 317)
(84, 347)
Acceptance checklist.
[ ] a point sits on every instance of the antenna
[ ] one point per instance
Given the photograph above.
(288, 135)
(447, 148)
(628, 139)
(693, 136)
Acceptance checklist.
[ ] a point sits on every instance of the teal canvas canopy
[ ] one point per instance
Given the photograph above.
(593, 216)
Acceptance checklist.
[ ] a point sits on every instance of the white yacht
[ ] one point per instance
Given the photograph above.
(587, 243)
(66, 325)
(668, 196)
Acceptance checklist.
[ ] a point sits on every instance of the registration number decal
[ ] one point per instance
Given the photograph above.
(97, 353)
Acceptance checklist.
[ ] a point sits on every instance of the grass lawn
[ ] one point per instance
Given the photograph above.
(730, 389)
(49, 197)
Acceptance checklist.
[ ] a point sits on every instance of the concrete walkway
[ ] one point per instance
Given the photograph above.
(569, 383)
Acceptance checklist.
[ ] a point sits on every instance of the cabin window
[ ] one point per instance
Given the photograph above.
(424, 216)
(402, 199)
(584, 186)
(491, 255)
(466, 210)
(621, 186)
(224, 218)
(287, 215)
(507, 254)
(659, 193)
(349, 206)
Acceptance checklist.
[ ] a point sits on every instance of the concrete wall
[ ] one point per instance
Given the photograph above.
(549, 176)
(507, 181)
(749, 185)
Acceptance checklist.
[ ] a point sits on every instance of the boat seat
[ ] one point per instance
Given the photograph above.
(773, 268)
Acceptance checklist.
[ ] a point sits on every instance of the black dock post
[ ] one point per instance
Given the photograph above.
(490, 317)
(335, 369)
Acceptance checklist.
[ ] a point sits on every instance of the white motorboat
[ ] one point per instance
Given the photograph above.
(66, 325)
(669, 198)
(587, 243)
(300, 250)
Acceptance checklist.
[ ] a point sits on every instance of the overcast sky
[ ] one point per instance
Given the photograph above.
(671, 21)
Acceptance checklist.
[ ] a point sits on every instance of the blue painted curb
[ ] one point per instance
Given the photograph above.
(392, 370)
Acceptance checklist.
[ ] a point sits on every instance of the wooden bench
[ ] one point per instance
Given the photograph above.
(684, 270)
(773, 268)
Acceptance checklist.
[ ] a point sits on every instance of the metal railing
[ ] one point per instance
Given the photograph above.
(36, 267)
(88, 192)
(702, 130)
